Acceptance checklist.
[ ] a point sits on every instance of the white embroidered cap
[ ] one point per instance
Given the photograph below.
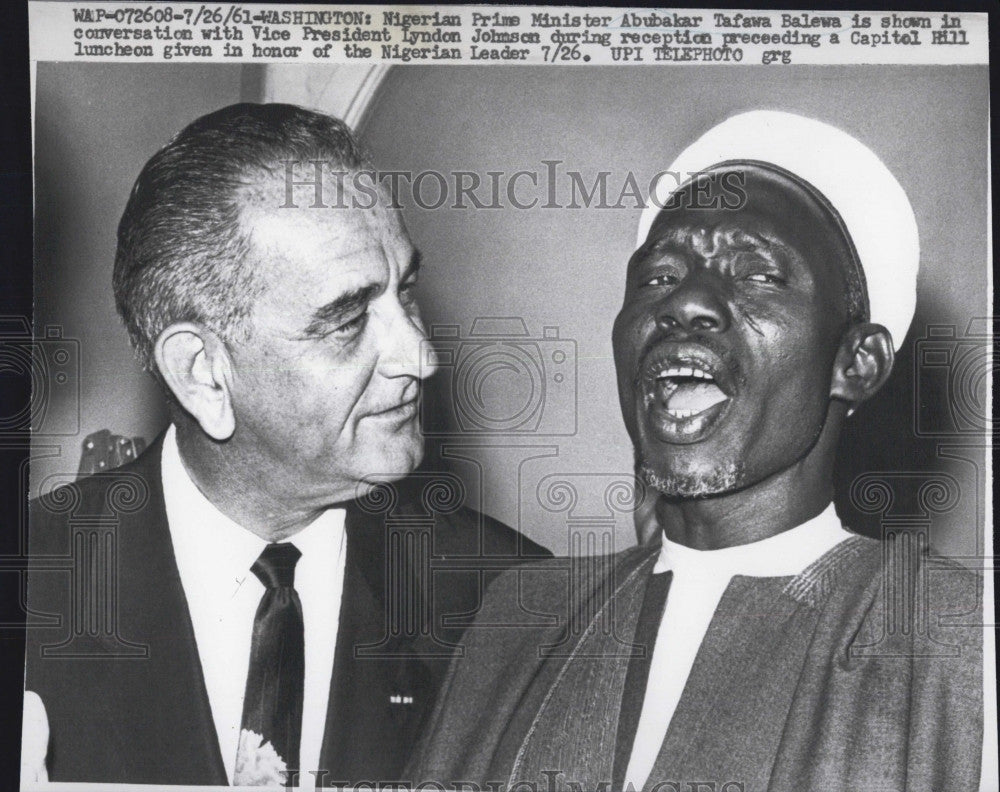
(857, 184)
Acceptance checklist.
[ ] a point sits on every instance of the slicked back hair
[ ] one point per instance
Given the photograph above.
(182, 253)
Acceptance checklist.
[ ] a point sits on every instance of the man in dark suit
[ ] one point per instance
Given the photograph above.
(267, 536)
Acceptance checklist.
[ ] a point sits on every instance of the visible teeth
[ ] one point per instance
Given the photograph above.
(682, 371)
(681, 413)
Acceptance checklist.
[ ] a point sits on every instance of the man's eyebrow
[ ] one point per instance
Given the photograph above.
(340, 308)
(348, 303)
(650, 251)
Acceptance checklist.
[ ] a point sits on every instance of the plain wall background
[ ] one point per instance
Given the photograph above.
(97, 124)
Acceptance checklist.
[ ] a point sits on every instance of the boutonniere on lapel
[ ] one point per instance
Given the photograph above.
(257, 763)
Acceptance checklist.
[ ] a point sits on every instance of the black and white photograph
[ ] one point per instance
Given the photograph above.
(507, 398)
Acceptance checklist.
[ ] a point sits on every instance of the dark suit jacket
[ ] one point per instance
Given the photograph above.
(862, 672)
(111, 650)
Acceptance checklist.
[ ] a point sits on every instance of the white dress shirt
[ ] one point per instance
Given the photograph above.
(214, 556)
(700, 579)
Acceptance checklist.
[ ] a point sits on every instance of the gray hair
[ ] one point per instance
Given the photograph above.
(182, 253)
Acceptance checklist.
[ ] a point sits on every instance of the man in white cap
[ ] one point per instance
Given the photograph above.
(762, 645)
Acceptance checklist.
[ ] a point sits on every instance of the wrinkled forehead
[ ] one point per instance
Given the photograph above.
(707, 237)
(749, 204)
(353, 210)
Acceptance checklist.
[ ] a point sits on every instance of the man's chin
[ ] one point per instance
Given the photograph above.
(700, 483)
(397, 460)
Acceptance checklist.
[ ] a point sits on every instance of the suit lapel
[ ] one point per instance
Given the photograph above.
(174, 682)
(379, 690)
(359, 609)
(156, 705)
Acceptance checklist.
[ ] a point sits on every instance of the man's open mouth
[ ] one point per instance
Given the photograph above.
(686, 392)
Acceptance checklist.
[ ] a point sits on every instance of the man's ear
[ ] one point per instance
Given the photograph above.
(863, 363)
(196, 366)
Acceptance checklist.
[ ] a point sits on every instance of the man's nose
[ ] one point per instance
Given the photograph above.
(406, 351)
(698, 303)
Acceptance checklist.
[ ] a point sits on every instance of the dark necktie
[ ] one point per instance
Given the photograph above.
(272, 708)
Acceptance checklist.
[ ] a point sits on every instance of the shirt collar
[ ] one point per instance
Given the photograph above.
(786, 553)
(217, 549)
